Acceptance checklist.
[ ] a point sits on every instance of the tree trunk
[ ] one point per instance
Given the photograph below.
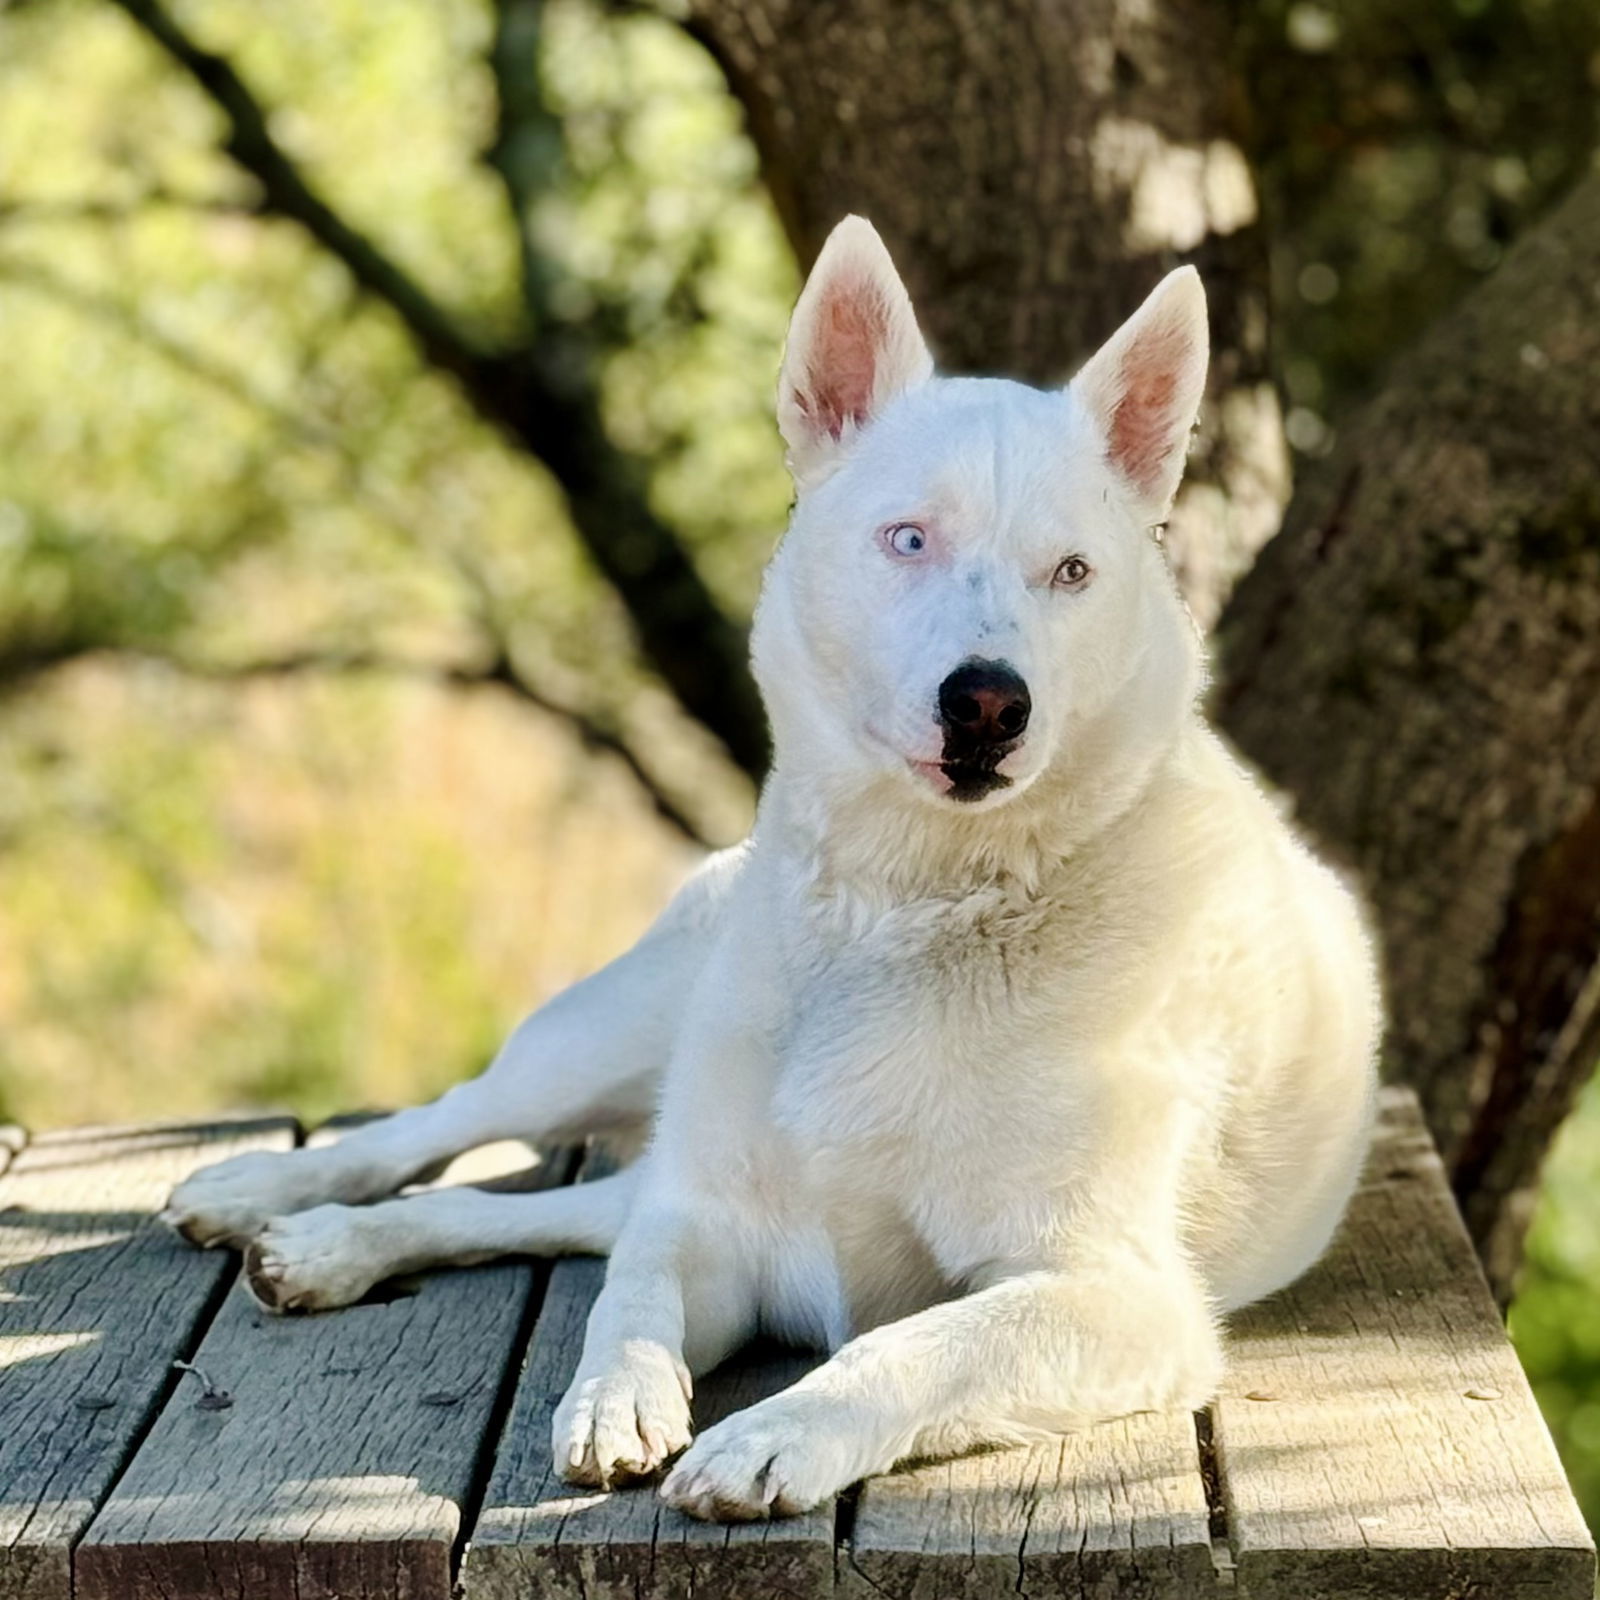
(1035, 168)
(1417, 659)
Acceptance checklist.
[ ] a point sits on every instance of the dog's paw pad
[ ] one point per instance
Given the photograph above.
(230, 1202)
(775, 1459)
(622, 1424)
(313, 1261)
(263, 1276)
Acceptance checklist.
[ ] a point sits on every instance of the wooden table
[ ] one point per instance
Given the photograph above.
(1375, 1436)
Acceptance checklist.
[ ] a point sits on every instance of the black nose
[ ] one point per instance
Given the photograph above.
(985, 702)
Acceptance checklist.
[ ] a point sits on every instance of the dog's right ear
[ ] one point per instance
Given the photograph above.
(1143, 389)
(853, 345)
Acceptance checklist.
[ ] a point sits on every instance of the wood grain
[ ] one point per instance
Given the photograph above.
(1376, 1435)
(347, 1462)
(537, 1535)
(96, 1302)
(1114, 1510)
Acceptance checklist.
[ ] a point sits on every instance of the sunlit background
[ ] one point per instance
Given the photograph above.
(263, 841)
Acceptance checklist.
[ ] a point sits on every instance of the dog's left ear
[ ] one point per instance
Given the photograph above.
(1142, 389)
(853, 346)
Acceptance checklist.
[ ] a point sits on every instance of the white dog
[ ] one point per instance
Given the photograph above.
(1020, 1041)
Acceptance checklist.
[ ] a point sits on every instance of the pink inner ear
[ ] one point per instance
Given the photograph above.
(1142, 426)
(850, 330)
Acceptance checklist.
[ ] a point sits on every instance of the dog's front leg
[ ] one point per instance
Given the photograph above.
(679, 1296)
(683, 1284)
(1037, 1353)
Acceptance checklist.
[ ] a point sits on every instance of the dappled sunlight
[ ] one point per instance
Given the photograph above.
(1178, 193)
(294, 1508)
(20, 1347)
(561, 1507)
(33, 1239)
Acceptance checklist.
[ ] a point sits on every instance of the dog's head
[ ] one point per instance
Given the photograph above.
(969, 584)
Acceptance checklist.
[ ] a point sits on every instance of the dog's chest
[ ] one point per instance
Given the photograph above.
(924, 1086)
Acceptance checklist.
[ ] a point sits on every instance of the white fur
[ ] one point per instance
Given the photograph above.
(1003, 1102)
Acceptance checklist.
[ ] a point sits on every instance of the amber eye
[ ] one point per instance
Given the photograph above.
(905, 539)
(1073, 573)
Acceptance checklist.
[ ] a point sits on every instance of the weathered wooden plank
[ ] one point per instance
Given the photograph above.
(1376, 1437)
(96, 1302)
(352, 1450)
(1118, 1510)
(537, 1536)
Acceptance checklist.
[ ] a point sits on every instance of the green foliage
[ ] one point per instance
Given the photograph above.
(1555, 1321)
(695, 289)
(335, 894)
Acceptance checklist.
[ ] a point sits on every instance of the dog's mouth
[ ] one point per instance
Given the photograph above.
(975, 779)
(968, 775)
(972, 765)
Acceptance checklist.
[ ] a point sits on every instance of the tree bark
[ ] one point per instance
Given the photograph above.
(1035, 168)
(1416, 658)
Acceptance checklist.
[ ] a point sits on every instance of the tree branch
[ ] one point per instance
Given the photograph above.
(542, 394)
(528, 146)
(91, 303)
(285, 192)
(21, 664)
(96, 209)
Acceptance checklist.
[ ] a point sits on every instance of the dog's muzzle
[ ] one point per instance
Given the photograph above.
(984, 708)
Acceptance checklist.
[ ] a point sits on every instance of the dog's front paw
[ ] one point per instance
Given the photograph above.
(314, 1260)
(623, 1421)
(230, 1202)
(779, 1458)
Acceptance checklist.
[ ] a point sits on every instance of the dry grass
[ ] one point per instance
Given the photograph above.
(313, 895)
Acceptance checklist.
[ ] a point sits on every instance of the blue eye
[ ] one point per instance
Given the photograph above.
(906, 539)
